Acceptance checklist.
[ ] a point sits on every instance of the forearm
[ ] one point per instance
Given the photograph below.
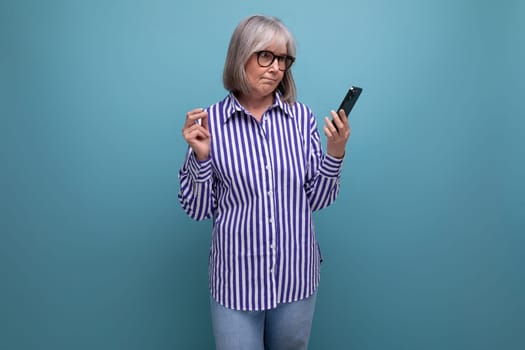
(324, 186)
(196, 192)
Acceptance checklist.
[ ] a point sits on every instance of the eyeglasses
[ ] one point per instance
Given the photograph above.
(266, 59)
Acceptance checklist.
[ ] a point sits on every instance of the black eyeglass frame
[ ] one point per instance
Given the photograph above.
(288, 60)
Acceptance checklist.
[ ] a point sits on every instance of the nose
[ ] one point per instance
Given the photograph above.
(275, 63)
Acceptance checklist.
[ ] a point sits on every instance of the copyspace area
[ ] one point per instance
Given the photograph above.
(423, 249)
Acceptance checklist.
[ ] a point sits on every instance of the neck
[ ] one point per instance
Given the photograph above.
(256, 105)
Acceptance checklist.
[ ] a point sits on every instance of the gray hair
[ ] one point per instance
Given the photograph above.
(253, 34)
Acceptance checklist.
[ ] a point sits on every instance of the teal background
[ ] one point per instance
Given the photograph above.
(424, 248)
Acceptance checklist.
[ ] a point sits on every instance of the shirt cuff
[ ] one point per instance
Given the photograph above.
(200, 170)
(332, 166)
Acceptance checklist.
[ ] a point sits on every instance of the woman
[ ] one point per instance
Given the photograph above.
(255, 165)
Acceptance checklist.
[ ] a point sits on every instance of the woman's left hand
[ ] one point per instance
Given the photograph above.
(337, 137)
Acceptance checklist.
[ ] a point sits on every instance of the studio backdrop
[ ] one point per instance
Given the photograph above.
(423, 249)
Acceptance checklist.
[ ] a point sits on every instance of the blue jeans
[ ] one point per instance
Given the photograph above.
(285, 327)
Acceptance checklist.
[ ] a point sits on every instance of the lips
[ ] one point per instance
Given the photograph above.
(270, 80)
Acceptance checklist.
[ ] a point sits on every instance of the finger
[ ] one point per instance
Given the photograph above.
(193, 115)
(337, 120)
(335, 124)
(329, 132)
(189, 126)
(344, 118)
(329, 125)
(199, 134)
(194, 134)
(195, 127)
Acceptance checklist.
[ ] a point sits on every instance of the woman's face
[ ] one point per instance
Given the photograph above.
(263, 81)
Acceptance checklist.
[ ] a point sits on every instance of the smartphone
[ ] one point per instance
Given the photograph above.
(349, 101)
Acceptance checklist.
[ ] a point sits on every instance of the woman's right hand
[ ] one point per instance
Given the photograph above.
(197, 134)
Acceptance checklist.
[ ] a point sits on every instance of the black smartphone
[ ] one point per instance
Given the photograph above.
(349, 101)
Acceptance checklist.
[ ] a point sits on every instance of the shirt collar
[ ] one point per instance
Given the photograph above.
(233, 106)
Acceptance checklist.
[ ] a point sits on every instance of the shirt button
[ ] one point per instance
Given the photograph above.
(270, 193)
(270, 220)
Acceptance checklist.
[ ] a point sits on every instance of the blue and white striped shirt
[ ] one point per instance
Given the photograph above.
(260, 185)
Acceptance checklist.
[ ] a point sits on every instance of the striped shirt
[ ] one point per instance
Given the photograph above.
(260, 185)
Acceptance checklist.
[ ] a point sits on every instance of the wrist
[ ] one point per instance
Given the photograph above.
(337, 155)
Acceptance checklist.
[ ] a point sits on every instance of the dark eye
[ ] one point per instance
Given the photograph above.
(265, 54)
